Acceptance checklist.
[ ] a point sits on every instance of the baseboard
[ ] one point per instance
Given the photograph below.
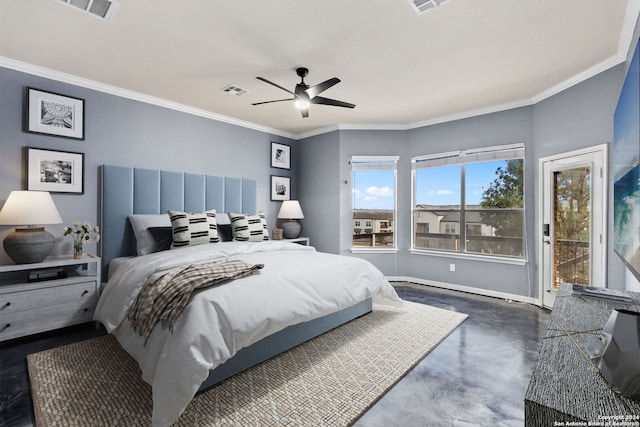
(468, 289)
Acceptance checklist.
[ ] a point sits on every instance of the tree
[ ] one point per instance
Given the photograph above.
(572, 190)
(573, 197)
(505, 192)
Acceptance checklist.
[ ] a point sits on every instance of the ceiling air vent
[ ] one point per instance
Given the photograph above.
(422, 6)
(234, 90)
(102, 9)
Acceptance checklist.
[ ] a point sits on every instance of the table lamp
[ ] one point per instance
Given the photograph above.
(30, 244)
(290, 211)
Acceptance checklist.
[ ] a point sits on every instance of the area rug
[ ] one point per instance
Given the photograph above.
(328, 381)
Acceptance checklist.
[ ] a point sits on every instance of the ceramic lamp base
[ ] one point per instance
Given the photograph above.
(28, 245)
(291, 229)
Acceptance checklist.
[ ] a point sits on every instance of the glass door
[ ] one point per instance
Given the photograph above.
(573, 223)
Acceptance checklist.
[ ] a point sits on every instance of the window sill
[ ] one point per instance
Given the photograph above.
(473, 257)
(374, 250)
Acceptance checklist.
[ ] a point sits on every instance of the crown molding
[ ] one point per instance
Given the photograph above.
(626, 42)
(135, 96)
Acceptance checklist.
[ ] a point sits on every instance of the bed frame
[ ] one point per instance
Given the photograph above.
(126, 191)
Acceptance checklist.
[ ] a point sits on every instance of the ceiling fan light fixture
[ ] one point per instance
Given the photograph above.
(304, 95)
(301, 104)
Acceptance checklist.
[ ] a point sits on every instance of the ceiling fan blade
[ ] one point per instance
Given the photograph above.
(333, 102)
(316, 90)
(276, 85)
(276, 100)
(304, 112)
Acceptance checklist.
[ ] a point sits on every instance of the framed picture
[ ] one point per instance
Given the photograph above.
(280, 187)
(54, 114)
(55, 171)
(280, 156)
(626, 169)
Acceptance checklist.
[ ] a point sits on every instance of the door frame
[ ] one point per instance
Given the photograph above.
(603, 149)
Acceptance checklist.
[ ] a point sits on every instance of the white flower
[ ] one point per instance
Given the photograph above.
(82, 232)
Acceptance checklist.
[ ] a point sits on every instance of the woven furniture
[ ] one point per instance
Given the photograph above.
(565, 385)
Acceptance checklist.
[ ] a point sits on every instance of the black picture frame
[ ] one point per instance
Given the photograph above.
(280, 156)
(50, 113)
(54, 171)
(280, 188)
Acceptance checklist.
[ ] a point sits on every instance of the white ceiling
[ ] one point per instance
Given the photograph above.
(401, 69)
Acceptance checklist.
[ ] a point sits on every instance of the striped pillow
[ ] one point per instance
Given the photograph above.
(190, 229)
(249, 228)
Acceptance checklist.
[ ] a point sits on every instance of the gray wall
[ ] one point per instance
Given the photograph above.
(579, 117)
(582, 116)
(376, 143)
(124, 132)
(508, 127)
(321, 182)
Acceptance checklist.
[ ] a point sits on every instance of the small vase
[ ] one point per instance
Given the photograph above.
(77, 251)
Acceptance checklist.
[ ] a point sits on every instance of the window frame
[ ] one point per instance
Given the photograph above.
(463, 158)
(363, 163)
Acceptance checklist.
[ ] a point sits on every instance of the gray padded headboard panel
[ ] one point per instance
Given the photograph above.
(127, 191)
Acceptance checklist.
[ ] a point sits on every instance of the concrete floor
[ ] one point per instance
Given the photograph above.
(477, 376)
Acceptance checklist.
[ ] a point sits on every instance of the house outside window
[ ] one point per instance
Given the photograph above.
(374, 202)
(450, 228)
(473, 201)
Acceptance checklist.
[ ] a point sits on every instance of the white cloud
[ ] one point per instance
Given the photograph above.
(357, 192)
(369, 199)
(379, 191)
(440, 193)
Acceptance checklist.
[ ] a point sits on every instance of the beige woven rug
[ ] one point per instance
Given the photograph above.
(328, 381)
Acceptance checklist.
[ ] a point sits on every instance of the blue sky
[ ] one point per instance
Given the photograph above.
(436, 186)
(373, 189)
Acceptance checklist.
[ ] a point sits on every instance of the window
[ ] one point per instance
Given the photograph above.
(470, 201)
(374, 202)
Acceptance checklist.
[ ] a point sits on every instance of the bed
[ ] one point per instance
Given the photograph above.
(299, 294)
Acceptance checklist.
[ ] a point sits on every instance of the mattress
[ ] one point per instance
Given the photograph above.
(297, 284)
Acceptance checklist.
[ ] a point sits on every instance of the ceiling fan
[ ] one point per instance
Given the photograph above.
(304, 94)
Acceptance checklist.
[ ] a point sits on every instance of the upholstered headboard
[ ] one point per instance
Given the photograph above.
(127, 191)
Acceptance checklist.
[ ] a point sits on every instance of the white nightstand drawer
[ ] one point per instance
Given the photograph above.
(31, 307)
(27, 322)
(54, 295)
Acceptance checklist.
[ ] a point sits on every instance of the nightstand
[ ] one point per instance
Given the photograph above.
(58, 292)
(299, 240)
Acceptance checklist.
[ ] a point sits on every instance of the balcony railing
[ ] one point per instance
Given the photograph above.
(490, 245)
(370, 240)
(572, 262)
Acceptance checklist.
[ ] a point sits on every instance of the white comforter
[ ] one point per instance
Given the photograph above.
(297, 284)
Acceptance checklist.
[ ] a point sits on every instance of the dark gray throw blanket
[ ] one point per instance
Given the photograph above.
(163, 299)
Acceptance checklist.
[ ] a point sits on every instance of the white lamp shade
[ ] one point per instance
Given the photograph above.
(29, 208)
(290, 209)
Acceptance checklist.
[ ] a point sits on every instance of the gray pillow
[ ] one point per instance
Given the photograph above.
(145, 243)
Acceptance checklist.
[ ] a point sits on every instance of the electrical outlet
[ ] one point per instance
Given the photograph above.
(452, 267)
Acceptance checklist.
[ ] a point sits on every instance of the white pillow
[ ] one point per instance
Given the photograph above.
(190, 229)
(145, 243)
(249, 228)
